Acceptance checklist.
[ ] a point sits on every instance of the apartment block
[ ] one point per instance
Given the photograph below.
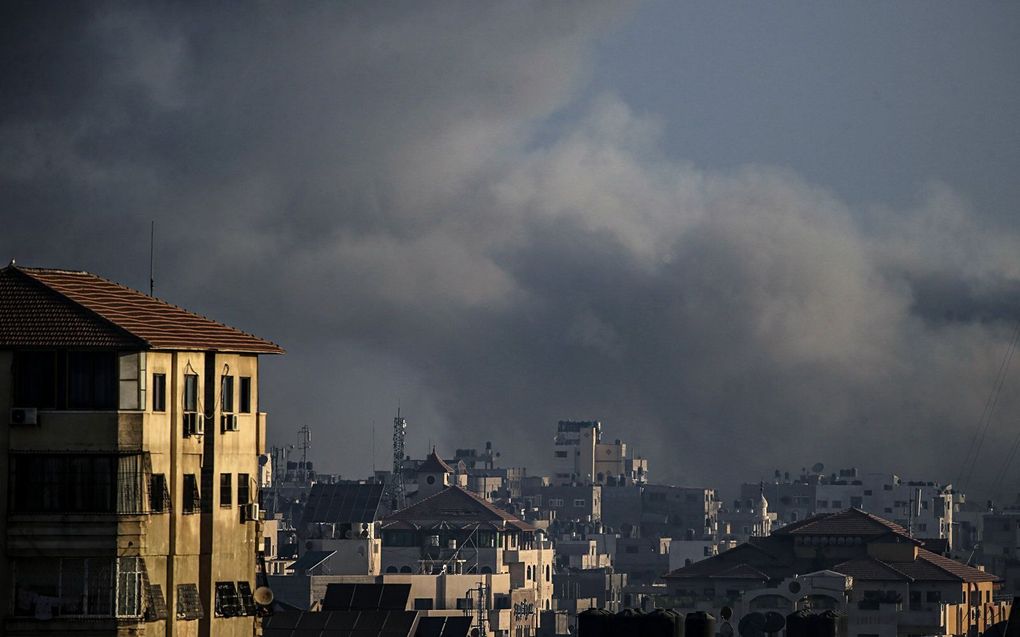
(131, 461)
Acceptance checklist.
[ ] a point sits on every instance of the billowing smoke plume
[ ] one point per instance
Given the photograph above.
(421, 205)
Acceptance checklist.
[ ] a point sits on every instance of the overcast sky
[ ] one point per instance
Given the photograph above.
(745, 236)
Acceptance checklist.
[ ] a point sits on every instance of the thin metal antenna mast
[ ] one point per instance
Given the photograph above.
(152, 257)
(395, 488)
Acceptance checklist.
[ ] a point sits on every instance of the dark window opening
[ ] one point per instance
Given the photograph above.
(245, 397)
(91, 380)
(227, 394)
(35, 379)
(192, 500)
(159, 392)
(191, 392)
(159, 495)
(226, 491)
(72, 483)
(243, 489)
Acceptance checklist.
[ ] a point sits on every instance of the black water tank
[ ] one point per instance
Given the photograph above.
(657, 623)
(699, 624)
(594, 622)
(827, 624)
(798, 624)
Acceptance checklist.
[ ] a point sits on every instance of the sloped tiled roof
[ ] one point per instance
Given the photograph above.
(871, 569)
(953, 570)
(457, 507)
(741, 571)
(65, 308)
(434, 464)
(848, 522)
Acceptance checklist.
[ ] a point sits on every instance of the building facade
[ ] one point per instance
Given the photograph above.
(131, 456)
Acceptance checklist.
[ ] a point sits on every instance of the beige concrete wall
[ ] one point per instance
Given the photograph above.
(169, 542)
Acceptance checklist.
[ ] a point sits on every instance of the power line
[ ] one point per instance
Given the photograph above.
(985, 421)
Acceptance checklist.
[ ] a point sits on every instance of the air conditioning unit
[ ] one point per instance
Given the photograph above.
(24, 416)
(250, 512)
(228, 422)
(194, 424)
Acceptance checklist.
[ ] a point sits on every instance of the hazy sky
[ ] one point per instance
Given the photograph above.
(743, 235)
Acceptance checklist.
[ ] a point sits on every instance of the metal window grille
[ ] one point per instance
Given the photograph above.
(228, 604)
(246, 599)
(189, 604)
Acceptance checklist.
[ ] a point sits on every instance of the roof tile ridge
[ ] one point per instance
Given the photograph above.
(927, 556)
(158, 300)
(25, 272)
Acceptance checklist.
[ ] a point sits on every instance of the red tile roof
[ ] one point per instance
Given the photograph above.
(454, 506)
(848, 522)
(46, 308)
(871, 569)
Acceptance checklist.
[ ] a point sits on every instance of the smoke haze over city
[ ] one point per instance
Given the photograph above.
(743, 238)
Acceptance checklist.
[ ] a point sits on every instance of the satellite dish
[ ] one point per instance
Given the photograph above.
(726, 630)
(818, 467)
(263, 596)
(726, 612)
(263, 460)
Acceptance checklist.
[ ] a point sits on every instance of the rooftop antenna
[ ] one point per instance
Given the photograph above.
(395, 488)
(152, 257)
(306, 439)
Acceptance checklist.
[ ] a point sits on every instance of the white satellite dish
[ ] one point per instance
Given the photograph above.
(263, 596)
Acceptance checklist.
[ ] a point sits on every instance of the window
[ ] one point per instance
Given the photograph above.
(247, 600)
(35, 379)
(245, 397)
(226, 491)
(423, 603)
(159, 392)
(129, 586)
(77, 483)
(92, 380)
(227, 394)
(579, 502)
(561, 454)
(934, 596)
(131, 377)
(192, 499)
(189, 604)
(78, 587)
(228, 604)
(555, 502)
(837, 504)
(548, 573)
(191, 392)
(868, 492)
(243, 489)
(823, 504)
(159, 495)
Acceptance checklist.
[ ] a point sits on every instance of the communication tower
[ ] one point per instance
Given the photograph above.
(395, 488)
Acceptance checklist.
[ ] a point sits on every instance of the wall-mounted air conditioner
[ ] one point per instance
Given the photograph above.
(24, 416)
(250, 512)
(228, 422)
(194, 424)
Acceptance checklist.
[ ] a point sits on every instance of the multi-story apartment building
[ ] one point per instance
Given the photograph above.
(130, 457)
(580, 456)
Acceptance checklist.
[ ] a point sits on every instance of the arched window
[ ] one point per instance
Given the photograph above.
(391, 569)
(405, 569)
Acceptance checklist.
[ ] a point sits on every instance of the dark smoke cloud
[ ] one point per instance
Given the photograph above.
(379, 188)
